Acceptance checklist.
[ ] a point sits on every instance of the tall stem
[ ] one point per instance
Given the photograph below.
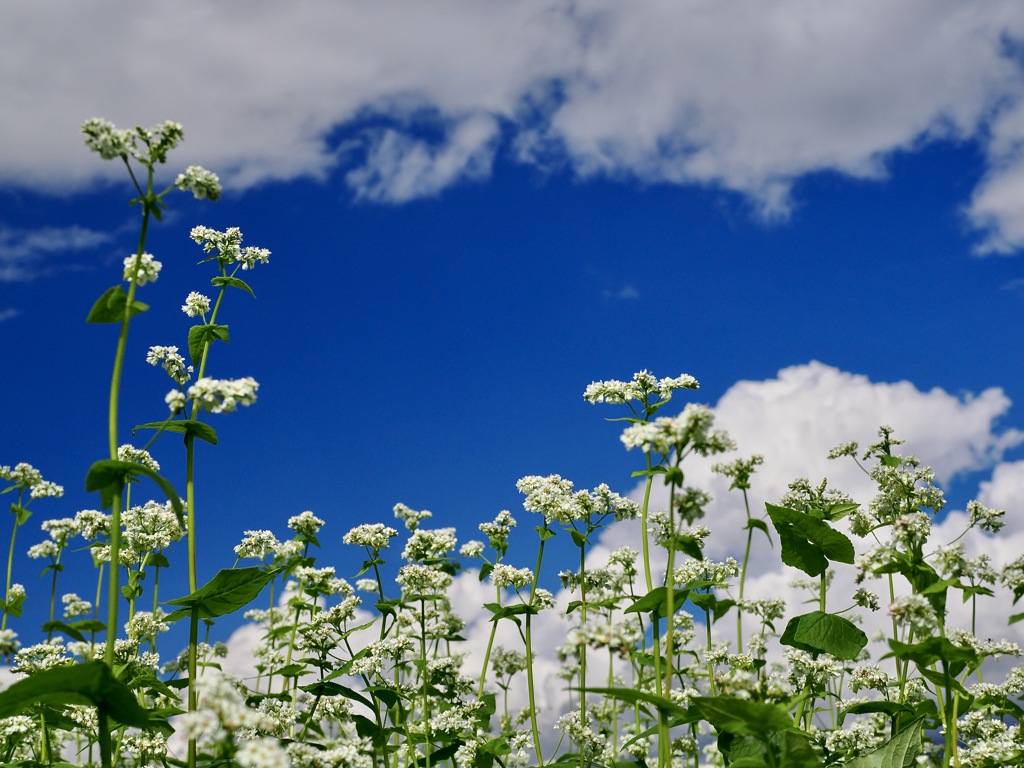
(528, 641)
(113, 590)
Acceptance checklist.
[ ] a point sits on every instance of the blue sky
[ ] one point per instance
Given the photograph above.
(476, 210)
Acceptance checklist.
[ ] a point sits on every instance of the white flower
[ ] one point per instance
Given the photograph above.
(257, 545)
(375, 536)
(196, 304)
(175, 400)
(643, 385)
(429, 544)
(130, 453)
(103, 137)
(223, 395)
(504, 576)
(148, 268)
(200, 182)
(306, 523)
(227, 246)
(172, 362)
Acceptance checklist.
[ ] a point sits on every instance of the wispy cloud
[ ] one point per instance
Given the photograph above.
(8, 313)
(26, 254)
(746, 98)
(626, 293)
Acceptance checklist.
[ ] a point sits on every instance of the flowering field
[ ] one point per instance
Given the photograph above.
(667, 659)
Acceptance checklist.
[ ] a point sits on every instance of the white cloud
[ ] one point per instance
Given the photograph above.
(8, 314)
(399, 168)
(25, 254)
(748, 97)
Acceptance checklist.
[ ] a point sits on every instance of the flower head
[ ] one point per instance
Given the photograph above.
(144, 268)
(227, 246)
(203, 184)
(643, 385)
(172, 363)
(104, 138)
(689, 431)
(223, 395)
(196, 304)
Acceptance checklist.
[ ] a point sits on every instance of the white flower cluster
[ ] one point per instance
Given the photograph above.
(505, 576)
(305, 523)
(257, 545)
(150, 528)
(223, 395)
(411, 517)
(691, 430)
(27, 478)
(227, 246)
(553, 497)
(196, 304)
(375, 536)
(426, 544)
(643, 385)
(203, 184)
(141, 268)
(147, 145)
(172, 363)
(135, 455)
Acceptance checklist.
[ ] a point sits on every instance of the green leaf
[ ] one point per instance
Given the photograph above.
(752, 718)
(109, 308)
(944, 681)
(109, 476)
(929, 651)
(689, 544)
(761, 525)
(201, 335)
(91, 683)
(509, 611)
(21, 515)
(808, 543)
(225, 593)
(840, 510)
(655, 602)
(67, 629)
(334, 689)
(234, 282)
(634, 696)
(901, 751)
(289, 670)
(820, 632)
(888, 708)
(183, 426)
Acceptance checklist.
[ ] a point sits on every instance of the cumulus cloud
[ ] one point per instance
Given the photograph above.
(26, 254)
(408, 99)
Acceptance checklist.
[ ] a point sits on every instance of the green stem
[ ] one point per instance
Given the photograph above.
(103, 732)
(487, 653)
(10, 563)
(643, 526)
(528, 641)
(426, 682)
(670, 591)
(743, 574)
(113, 581)
(113, 590)
(193, 697)
(190, 507)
